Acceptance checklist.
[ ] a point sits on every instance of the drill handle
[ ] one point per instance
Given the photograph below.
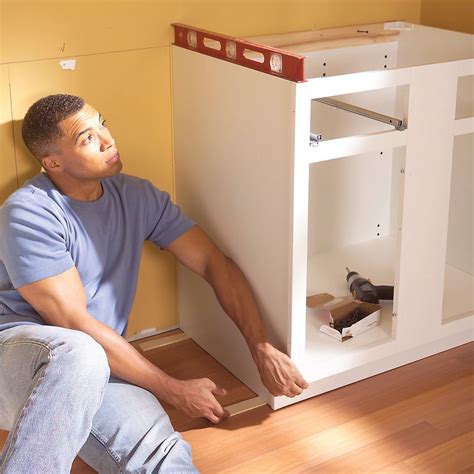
(384, 292)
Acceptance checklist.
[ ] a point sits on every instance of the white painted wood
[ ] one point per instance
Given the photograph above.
(349, 146)
(427, 45)
(374, 259)
(342, 60)
(357, 82)
(460, 253)
(299, 227)
(464, 126)
(372, 80)
(426, 203)
(234, 147)
(164, 341)
(349, 201)
(340, 189)
(458, 293)
(246, 405)
(377, 366)
(243, 172)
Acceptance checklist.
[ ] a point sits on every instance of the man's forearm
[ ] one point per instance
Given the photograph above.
(237, 299)
(125, 361)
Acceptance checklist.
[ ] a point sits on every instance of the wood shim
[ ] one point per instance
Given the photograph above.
(246, 405)
(164, 341)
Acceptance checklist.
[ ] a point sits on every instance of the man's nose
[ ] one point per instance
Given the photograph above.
(107, 141)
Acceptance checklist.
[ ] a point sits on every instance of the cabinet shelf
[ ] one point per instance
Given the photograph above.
(374, 259)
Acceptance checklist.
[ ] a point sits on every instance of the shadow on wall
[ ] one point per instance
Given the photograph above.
(26, 164)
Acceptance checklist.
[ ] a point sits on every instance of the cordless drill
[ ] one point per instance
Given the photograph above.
(362, 289)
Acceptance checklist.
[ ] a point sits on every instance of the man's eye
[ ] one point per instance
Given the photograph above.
(104, 123)
(88, 139)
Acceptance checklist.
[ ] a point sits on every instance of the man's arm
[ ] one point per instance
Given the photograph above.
(197, 252)
(61, 301)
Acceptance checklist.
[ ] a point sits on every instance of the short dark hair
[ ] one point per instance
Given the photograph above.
(40, 128)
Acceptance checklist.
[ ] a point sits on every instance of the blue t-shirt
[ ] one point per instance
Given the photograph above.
(44, 233)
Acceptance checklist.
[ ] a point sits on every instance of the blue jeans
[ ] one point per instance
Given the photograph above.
(58, 400)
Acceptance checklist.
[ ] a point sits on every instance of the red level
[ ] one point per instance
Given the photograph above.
(245, 53)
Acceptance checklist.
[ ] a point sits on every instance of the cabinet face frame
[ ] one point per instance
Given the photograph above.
(420, 254)
(422, 247)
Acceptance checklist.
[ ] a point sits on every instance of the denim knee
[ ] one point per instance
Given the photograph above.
(83, 357)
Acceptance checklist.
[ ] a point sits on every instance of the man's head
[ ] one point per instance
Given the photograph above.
(69, 137)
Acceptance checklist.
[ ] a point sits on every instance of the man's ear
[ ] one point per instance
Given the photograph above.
(50, 163)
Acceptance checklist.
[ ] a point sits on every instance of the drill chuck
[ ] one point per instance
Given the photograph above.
(362, 289)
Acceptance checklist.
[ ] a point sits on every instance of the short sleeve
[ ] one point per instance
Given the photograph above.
(32, 243)
(165, 220)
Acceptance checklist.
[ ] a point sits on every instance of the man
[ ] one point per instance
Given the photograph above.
(70, 248)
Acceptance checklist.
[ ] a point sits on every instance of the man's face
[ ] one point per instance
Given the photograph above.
(86, 150)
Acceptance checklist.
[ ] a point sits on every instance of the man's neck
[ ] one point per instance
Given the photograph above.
(82, 190)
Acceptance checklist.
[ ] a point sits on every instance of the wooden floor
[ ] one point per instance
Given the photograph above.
(414, 419)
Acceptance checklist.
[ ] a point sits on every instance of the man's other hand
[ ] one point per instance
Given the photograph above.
(195, 398)
(277, 371)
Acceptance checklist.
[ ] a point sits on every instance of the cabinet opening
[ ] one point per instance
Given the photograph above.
(353, 221)
(458, 297)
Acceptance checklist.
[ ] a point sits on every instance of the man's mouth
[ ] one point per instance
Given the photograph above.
(113, 159)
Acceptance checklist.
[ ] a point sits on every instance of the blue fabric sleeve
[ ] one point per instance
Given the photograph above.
(165, 220)
(32, 244)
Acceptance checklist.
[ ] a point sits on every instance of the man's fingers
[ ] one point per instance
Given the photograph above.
(301, 382)
(213, 418)
(218, 414)
(220, 411)
(219, 390)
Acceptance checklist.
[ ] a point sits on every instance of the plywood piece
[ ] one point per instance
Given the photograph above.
(246, 405)
(8, 179)
(330, 38)
(132, 91)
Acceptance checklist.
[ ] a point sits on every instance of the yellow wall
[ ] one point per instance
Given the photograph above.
(455, 15)
(123, 69)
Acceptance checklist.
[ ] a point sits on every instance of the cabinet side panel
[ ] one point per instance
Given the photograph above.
(426, 45)
(233, 154)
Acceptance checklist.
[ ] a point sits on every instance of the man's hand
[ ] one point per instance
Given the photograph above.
(277, 371)
(195, 398)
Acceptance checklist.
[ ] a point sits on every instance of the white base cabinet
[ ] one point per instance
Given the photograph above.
(394, 205)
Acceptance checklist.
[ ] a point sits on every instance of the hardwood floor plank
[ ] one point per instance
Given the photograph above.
(453, 456)
(383, 453)
(397, 468)
(467, 470)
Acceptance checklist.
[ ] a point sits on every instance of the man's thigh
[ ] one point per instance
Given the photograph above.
(131, 432)
(24, 349)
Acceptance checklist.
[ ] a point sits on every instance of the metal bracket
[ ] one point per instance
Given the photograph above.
(395, 122)
(315, 138)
